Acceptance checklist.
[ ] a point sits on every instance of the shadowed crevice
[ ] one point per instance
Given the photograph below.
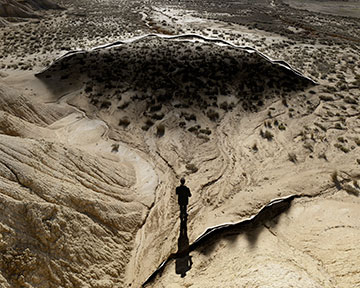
(213, 234)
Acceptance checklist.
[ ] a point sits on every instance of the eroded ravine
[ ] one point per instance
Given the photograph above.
(227, 164)
(215, 157)
(92, 150)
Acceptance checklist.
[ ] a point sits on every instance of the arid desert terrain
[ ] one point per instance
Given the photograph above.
(106, 104)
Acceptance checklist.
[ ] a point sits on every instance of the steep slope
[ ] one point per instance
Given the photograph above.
(25, 8)
(123, 123)
(176, 68)
(69, 216)
(236, 161)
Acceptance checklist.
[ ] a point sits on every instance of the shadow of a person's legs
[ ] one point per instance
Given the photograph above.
(183, 260)
(183, 240)
(183, 265)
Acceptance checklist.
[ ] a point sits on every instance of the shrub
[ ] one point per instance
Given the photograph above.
(149, 122)
(115, 147)
(357, 141)
(267, 124)
(284, 102)
(224, 106)
(124, 122)
(190, 117)
(326, 98)
(309, 147)
(160, 130)
(88, 89)
(282, 127)
(292, 157)
(155, 108)
(124, 105)
(147, 125)
(322, 127)
(213, 115)
(342, 148)
(191, 167)
(157, 116)
(194, 128)
(345, 149)
(182, 124)
(105, 104)
(267, 135)
(206, 131)
(204, 137)
(341, 139)
(338, 126)
(323, 156)
(350, 100)
(255, 148)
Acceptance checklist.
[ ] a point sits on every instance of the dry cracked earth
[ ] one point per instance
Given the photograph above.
(255, 103)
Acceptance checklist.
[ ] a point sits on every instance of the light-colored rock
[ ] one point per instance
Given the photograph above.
(87, 188)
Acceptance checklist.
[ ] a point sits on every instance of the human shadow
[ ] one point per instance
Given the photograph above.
(206, 242)
(183, 260)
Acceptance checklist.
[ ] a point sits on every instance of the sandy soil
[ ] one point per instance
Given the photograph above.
(92, 148)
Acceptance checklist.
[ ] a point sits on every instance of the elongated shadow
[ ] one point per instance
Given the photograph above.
(215, 233)
(183, 260)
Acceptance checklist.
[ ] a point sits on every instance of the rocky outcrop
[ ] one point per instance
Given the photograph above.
(62, 209)
(68, 217)
(13, 102)
(92, 149)
(242, 128)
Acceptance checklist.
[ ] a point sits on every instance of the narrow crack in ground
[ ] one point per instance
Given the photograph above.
(273, 209)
